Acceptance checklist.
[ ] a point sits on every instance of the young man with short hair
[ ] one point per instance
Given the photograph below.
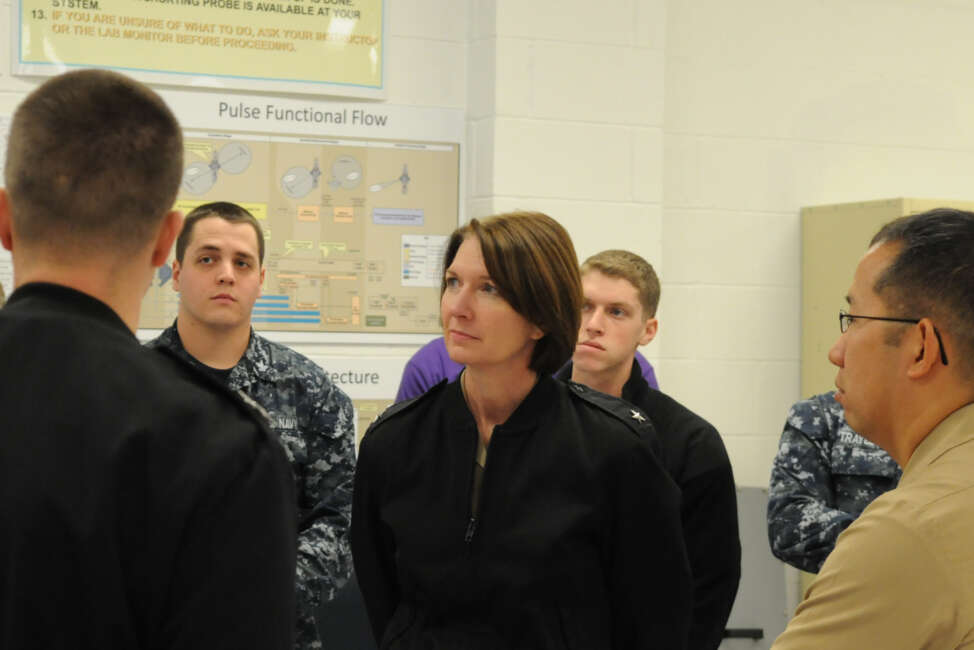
(218, 272)
(618, 315)
(143, 505)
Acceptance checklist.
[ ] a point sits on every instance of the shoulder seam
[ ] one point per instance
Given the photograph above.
(640, 425)
(406, 405)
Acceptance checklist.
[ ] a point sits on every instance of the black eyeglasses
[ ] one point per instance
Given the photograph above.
(845, 319)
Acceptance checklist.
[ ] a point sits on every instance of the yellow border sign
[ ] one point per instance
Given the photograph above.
(316, 46)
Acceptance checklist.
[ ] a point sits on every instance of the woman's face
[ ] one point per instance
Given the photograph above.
(480, 328)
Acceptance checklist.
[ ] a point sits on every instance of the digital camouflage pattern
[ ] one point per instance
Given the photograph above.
(823, 477)
(315, 422)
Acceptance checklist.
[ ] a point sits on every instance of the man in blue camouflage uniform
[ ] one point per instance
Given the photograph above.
(219, 272)
(823, 477)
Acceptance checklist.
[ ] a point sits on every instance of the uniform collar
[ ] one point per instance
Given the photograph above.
(955, 430)
(525, 417)
(254, 362)
(59, 298)
(636, 386)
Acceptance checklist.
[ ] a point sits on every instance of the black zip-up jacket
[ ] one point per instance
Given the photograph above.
(694, 455)
(577, 543)
(142, 505)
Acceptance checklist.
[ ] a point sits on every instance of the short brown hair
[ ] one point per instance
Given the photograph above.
(224, 210)
(94, 160)
(531, 259)
(632, 268)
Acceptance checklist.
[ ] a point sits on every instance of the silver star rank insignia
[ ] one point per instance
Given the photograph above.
(637, 416)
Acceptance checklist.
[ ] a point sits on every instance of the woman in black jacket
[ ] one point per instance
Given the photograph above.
(507, 509)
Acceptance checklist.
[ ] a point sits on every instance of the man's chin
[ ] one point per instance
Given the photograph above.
(584, 363)
(225, 322)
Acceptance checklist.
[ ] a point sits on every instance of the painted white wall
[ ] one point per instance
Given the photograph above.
(769, 106)
(691, 131)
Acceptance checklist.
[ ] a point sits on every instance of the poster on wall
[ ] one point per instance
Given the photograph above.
(355, 228)
(324, 47)
(355, 200)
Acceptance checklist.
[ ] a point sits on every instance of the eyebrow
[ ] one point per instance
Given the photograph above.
(207, 248)
(450, 271)
(615, 303)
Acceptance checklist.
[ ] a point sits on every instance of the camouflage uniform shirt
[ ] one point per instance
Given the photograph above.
(314, 421)
(823, 477)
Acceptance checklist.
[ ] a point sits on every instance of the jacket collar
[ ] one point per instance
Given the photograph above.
(68, 301)
(528, 414)
(634, 388)
(955, 430)
(255, 362)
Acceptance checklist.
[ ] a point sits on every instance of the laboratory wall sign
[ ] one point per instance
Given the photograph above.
(323, 47)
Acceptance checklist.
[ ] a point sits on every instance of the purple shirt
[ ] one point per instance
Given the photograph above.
(431, 364)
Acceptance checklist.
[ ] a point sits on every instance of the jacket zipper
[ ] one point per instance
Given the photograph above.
(474, 519)
(471, 529)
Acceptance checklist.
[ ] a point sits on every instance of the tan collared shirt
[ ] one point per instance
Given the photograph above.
(902, 575)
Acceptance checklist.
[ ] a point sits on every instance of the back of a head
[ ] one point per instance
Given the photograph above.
(634, 269)
(531, 259)
(94, 161)
(933, 275)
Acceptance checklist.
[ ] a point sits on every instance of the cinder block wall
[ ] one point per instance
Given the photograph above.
(691, 131)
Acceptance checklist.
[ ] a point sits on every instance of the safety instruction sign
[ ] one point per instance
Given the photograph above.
(316, 46)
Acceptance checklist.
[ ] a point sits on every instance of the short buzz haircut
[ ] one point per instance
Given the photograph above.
(94, 161)
(932, 275)
(224, 210)
(632, 268)
(531, 259)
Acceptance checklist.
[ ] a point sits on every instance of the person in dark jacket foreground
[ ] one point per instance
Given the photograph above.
(622, 293)
(141, 504)
(507, 509)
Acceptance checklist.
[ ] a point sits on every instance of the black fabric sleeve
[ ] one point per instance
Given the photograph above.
(714, 548)
(648, 574)
(233, 579)
(373, 549)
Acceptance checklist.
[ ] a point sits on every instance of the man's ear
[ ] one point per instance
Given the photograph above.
(6, 224)
(168, 231)
(924, 348)
(649, 331)
(176, 270)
